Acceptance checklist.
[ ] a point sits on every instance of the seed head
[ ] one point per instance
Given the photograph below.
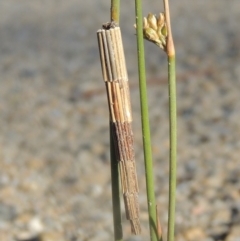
(155, 29)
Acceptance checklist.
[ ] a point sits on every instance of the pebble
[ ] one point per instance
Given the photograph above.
(27, 236)
(36, 225)
(222, 216)
(234, 234)
(54, 157)
(7, 212)
(194, 234)
(52, 236)
(219, 232)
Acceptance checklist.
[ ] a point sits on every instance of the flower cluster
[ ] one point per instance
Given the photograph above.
(155, 29)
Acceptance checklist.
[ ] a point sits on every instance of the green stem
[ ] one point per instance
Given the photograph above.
(117, 221)
(172, 124)
(145, 125)
(173, 145)
(115, 6)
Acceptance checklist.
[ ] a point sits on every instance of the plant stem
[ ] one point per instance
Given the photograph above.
(173, 125)
(115, 10)
(145, 125)
(173, 146)
(117, 221)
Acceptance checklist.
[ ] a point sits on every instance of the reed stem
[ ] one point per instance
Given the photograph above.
(145, 125)
(115, 179)
(115, 10)
(173, 146)
(172, 124)
(117, 221)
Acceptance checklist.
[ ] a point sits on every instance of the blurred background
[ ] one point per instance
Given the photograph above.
(54, 146)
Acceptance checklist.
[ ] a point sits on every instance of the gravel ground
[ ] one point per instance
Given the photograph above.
(54, 158)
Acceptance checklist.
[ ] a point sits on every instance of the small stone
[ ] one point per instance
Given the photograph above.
(213, 182)
(195, 233)
(7, 212)
(36, 225)
(27, 236)
(222, 217)
(23, 219)
(234, 234)
(219, 232)
(29, 228)
(52, 236)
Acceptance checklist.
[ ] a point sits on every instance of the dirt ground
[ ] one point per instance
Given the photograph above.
(54, 140)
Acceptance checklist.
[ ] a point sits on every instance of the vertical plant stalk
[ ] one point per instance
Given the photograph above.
(170, 50)
(117, 221)
(115, 177)
(173, 147)
(145, 125)
(116, 81)
(115, 10)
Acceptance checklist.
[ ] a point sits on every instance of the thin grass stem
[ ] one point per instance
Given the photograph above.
(117, 221)
(115, 178)
(115, 10)
(145, 125)
(173, 125)
(173, 147)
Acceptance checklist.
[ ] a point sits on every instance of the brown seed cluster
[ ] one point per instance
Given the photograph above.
(155, 29)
